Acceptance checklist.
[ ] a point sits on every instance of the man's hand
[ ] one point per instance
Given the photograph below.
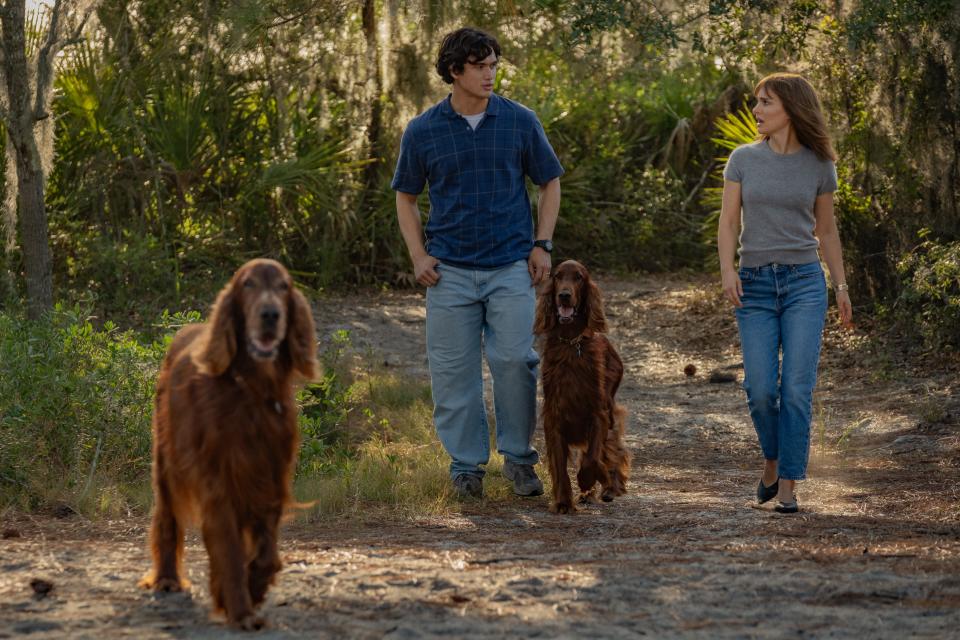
(423, 270)
(538, 264)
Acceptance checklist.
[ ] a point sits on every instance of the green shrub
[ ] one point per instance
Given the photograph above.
(76, 404)
(75, 410)
(367, 440)
(931, 292)
(732, 130)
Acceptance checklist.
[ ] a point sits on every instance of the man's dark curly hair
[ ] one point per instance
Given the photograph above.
(460, 46)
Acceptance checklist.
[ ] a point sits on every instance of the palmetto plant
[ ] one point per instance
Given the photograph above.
(733, 130)
(191, 157)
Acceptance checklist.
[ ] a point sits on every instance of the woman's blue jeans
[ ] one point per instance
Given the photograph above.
(784, 309)
(470, 312)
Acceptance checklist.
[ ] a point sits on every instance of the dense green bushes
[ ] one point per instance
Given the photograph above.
(178, 158)
(931, 292)
(76, 404)
(75, 411)
(635, 151)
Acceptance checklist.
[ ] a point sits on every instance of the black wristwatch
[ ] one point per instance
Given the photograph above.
(546, 245)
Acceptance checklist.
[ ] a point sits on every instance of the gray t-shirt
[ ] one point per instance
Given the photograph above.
(778, 192)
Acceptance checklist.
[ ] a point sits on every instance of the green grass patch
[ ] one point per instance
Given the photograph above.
(368, 441)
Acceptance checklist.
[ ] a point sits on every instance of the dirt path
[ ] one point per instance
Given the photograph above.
(876, 553)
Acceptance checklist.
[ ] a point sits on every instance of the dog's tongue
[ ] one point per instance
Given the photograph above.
(265, 345)
(566, 313)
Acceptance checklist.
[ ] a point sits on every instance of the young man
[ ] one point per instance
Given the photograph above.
(482, 259)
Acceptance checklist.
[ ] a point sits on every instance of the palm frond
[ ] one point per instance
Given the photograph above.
(736, 129)
(733, 130)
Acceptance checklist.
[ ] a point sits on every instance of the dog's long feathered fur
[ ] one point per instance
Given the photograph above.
(225, 437)
(581, 372)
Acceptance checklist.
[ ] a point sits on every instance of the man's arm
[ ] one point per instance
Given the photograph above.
(548, 210)
(408, 216)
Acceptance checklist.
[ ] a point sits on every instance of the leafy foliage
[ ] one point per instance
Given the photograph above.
(76, 403)
(75, 408)
(931, 292)
(732, 130)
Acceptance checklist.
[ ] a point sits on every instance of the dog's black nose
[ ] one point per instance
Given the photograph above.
(564, 297)
(269, 316)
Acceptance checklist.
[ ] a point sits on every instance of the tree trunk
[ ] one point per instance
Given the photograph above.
(35, 234)
(20, 122)
(375, 128)
(372, 172)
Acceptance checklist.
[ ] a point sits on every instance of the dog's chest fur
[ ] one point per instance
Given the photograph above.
(567, 370)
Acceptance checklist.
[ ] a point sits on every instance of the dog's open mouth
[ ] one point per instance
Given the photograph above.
(264, 347)
(565, 314)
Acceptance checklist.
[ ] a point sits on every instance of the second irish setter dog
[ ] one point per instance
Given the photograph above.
(225, 437)
(581, 372)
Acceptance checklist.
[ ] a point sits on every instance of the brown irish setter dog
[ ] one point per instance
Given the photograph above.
(225, 437)
(581, 372)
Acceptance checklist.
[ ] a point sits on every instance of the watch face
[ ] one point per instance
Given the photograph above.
(546, 245)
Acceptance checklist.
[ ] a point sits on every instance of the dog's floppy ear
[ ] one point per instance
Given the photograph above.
(596, 320)
(218, 344)
(301, 336)
(546, 319)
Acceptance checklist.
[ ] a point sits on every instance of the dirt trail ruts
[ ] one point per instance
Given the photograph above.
(875, 553)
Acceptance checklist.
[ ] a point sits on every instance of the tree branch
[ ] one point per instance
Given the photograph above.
(54, 44)
(45, 63)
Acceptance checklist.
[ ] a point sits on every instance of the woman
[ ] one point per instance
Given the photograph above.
(784, 184)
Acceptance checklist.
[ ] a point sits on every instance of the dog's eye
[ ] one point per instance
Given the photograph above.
(249, 283)
(579, 277)
(283, 286)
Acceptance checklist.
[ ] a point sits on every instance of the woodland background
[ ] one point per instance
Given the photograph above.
(153, 146)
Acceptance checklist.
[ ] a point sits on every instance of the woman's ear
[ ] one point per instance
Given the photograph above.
(217, 345)
(301, 336)
(546, 318)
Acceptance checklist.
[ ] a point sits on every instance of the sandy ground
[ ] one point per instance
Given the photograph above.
(875, 553)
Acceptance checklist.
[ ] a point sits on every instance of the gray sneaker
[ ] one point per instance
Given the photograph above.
(524, 478)
(467, 485)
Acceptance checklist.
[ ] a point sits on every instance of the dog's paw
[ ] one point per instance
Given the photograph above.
(248, 622)
(588, 497)
(608, 495)
(562, 507)
(166, 584)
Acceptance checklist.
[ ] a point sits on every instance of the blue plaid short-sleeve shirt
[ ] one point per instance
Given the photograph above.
(479, 209)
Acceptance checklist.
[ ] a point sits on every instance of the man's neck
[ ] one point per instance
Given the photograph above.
(467, 105)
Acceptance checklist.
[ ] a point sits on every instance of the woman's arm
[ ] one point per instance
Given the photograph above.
(727, 233)
(826, 232)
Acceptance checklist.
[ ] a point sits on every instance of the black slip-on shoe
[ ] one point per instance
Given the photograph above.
(765, 493)
(787, 507)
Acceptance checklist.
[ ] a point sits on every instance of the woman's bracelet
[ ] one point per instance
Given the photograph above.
(842, 286)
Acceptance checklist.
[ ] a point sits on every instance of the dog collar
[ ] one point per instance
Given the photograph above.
(575, 342)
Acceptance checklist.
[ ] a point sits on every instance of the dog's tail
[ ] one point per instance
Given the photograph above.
(617, 455)
(292, 508)
(619, 421)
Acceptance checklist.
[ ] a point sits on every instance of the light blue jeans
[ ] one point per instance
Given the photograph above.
(784, 309)
(470, 312)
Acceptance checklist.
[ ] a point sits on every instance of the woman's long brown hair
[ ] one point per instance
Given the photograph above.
(803, 107)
